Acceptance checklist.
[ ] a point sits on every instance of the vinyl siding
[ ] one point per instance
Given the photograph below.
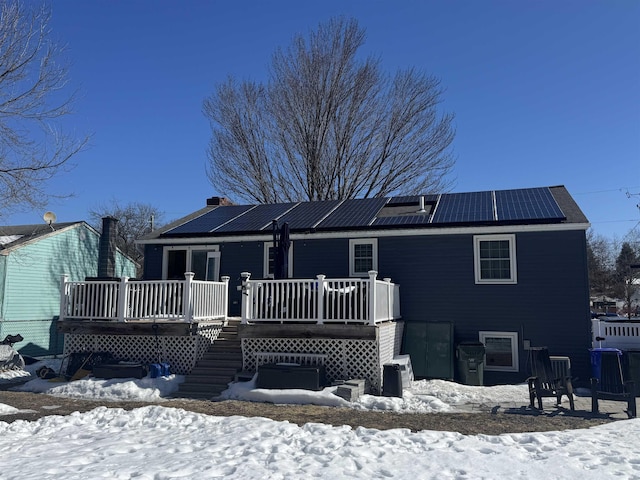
(549, 305)
(32, 284)
(329, 257)
(3, 271)
(152, 262)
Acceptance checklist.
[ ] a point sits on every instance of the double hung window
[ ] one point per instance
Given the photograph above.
(363, 256)
(495, 259)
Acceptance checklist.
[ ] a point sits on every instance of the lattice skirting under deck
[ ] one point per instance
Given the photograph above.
(181, 352)
(346, 358)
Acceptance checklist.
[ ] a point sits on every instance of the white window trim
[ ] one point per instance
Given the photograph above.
(188, 249)
(360, 241)
(512, 257)
(265, 258)
(515, 367)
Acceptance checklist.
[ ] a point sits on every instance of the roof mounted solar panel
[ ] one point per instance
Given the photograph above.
(306, 215)
(404, 200)
(258, 218)
(209, 221)
(464, 208)
(354, 213)
(402, 220)
(527, 204)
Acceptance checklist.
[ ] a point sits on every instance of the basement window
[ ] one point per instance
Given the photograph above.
(501, 351)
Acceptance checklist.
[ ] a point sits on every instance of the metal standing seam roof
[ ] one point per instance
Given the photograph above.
(529, 205)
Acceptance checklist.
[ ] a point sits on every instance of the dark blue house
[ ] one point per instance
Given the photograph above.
(506, 268)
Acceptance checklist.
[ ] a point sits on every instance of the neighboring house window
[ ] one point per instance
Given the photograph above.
(203, 261)
(501, 351)
(495, 258)
(363, 256)
(269, 260)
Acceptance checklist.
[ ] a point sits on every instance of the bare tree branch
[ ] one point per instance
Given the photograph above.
(328, 125)
(33, 77)
(135, 220)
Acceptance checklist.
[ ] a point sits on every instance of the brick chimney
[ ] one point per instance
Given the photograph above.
(221, 201)
(107, 250)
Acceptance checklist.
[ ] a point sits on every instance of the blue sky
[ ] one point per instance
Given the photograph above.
(544, 92)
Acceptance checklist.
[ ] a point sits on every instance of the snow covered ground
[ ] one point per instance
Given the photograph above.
(158, 442)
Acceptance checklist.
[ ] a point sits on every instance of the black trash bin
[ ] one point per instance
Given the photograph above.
(391, 380)
(470, 357)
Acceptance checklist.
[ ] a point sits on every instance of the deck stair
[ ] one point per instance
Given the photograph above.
(219, 365)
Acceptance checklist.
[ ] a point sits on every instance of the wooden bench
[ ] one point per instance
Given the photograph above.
(612, 384)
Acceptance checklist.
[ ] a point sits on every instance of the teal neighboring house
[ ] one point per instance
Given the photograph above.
(33, 259)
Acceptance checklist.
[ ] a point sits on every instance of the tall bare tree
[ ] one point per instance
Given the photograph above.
(626, 274)
(328, 125)
(33, 81)
(600, 260)
(135, 220)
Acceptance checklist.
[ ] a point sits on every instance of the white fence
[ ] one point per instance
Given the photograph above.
(124, 300)
(622, 335)
(320, 300)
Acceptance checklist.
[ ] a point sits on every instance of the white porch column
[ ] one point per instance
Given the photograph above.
(389, 298)
(247, 296)
(320, 319)
(63, 296)
(123, 298)
(187, 307)
(225, 297)
(373, 275)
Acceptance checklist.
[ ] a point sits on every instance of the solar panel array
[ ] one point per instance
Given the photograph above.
(405, 200)
(306, 215)
(210, 220)
(506, 206)
(402, 220)
(359, 212)
(527, 204)
(258, 218)
(464, 208)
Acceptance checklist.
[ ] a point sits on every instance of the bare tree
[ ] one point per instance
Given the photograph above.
(625, 275)
(33, 77)
(134, 221)
(328, 125)
(600, 261)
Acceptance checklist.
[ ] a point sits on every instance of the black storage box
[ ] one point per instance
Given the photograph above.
(120, 370)
(289, 375)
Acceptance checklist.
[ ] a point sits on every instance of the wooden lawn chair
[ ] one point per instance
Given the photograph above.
(612, 384)
(544, 383)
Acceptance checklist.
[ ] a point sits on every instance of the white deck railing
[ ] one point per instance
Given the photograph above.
(175, 300)
(622, 335)
(320, 300)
